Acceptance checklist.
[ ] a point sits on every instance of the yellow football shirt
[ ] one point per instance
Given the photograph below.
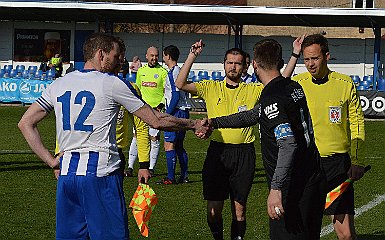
(336, 113)
(222, 101)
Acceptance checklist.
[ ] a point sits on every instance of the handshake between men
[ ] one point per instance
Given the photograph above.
(203, 128)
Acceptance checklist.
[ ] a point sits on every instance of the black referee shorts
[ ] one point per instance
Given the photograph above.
(336, 168)
(228, 170)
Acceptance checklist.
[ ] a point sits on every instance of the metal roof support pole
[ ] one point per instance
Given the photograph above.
(377, 59)
(238, 28)
(108, 27)
(238, 36)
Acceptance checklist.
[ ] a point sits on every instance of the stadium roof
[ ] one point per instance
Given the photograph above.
(195, 14)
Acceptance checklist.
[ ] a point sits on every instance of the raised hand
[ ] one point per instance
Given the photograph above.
(297, 44)
(197, 47)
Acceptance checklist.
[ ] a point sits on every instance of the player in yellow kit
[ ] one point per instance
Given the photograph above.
(338, 123)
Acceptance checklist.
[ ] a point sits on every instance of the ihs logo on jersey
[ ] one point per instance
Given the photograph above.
(271, 111)
(335, 114)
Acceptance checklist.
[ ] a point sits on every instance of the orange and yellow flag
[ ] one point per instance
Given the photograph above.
(143, 203)
(336, 192)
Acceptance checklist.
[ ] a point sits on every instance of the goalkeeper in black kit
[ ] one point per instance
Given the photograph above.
(290, 157)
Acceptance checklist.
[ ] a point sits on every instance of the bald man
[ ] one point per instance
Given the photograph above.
(150, 79)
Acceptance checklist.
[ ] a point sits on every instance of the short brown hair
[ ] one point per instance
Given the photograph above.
(98, 41)
(268, 54)
(316, 39)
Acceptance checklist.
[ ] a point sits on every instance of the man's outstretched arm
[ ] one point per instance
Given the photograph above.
(237, 120)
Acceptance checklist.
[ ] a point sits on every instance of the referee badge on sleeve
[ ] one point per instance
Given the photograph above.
(335, 114)
(242, 108)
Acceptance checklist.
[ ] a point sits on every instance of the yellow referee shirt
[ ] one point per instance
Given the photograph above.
(222, 100)
(337, 116)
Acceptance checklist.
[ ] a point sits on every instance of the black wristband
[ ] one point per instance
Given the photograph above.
(144, 165)
(295, 55)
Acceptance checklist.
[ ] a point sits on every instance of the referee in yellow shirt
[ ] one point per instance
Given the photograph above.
(230, 162)
(338, 127)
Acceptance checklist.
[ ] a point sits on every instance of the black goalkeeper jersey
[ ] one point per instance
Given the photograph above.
(283, 112)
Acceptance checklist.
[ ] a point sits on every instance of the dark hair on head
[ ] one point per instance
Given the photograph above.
(172, 51)
(268, 54)
(98, 41)
(316, 39)
(236, 51)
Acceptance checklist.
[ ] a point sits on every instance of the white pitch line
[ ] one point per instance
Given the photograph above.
(379, 199)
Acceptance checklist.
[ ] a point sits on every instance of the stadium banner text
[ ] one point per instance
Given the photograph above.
(21, 90)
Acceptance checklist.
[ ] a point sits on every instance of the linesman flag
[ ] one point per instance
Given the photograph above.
(339, 190)
(143, 203)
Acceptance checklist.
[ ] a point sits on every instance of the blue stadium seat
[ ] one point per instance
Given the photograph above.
(131, 77)
(365, 84)
(356, 79)
(360, 88)
(8, 68)
(203, 74)
(120, 75)
(191, 75)
(2, 72)
(38, 75)
(197, 78)
(369, 79)
(13, 73)
(215, 75)
(25, 74)
(20, 68)
(50, 75)
(32, 69)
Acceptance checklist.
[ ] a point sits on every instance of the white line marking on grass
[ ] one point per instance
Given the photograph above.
(379, 199)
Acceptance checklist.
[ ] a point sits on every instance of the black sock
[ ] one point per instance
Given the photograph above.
(238, 229)
(216, 229)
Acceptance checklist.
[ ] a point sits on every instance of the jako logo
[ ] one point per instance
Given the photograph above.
(271, 111)
(25, 87)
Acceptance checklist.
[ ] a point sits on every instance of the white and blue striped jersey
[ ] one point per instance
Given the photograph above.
(174, 98)
(86, 105)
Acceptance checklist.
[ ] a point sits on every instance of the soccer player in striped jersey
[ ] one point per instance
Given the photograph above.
(176, 105)
(90, 201)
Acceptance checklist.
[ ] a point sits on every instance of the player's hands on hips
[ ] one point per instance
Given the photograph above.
(297, 44)
(274, 204)
(143, 176)
(356, 172)
(56, 165)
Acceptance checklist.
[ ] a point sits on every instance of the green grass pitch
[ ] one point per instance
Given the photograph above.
(27, 190)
